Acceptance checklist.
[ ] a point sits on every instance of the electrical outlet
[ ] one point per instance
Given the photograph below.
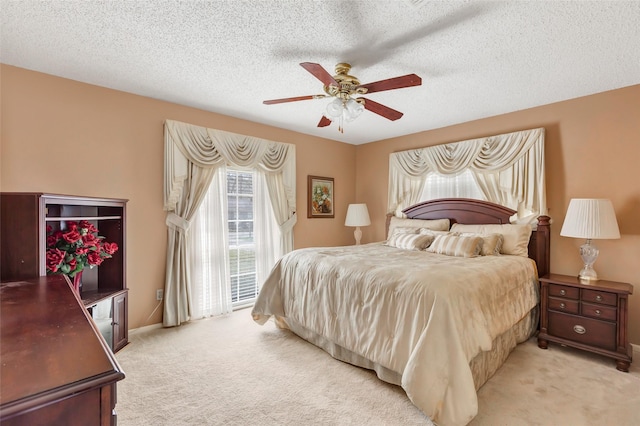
(159, 294)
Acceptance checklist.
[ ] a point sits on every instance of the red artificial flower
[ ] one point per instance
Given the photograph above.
(71, 236)
(51, 241)
(94, 258)
(90, 240)
(72, 263)
(82, 250)
(88, 226)
(110, 248)
(54, 258)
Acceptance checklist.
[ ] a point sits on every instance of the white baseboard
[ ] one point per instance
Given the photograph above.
(635, 348)
(134, 331)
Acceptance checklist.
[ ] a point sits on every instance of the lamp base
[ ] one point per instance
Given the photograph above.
(588, 274)
(589, 255)
(358, 234)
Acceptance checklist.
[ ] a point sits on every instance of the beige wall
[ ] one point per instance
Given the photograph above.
(592, 151)
(65, 137)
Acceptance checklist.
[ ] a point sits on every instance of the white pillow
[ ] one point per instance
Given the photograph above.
(410, 241)
(432, 232)
(435, 224)
(456, 245)
(403, 230)
(492, 243)
(516, 236)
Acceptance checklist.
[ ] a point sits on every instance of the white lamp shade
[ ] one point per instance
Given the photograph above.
(357, 215)
(590, 219)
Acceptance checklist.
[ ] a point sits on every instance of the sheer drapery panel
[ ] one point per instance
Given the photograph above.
(462, 185)
(209, 255)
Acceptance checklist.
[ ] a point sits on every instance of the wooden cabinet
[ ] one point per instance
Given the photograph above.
(591, 316)
(120, 331)
(24, 218)
(55, 369)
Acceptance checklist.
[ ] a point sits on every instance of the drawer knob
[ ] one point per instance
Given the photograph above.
(562, 292)
(579, 329)
(599, 298)
(562, 305)
(597, 311)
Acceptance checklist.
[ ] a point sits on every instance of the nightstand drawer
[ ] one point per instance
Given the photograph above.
(595, 296)
(583, 330)
(564, 305)
(564, 291)
(599, 312)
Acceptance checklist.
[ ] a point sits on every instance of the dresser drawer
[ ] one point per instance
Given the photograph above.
(599, 312)
(595, 296)
(564, 305)
(564, 291)
(583, 330)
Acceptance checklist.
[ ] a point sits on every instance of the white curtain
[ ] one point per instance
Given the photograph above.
(193, 155)
(210, 286)
(461, 185)
(266, 230)
(508, 168)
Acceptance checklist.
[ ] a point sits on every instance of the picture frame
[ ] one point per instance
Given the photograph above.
(321, 196)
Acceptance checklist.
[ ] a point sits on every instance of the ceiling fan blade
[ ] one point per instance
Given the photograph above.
(319, 73)
(294, 99)
(382, 110)
(324, 122)
(408, 80)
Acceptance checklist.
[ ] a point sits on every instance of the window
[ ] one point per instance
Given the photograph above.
(462, 185)
(242, 245)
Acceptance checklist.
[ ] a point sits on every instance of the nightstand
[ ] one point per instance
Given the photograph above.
(588, 315)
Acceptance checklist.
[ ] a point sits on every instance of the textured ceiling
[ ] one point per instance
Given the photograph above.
(476, 59)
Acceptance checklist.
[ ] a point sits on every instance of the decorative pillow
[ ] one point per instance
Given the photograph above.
(515, 236)
(491, 245)
(435, 224)
(456, 245)
(410, 241)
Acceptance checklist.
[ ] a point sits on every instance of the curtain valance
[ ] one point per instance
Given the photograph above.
(508, 168)
(210, 148)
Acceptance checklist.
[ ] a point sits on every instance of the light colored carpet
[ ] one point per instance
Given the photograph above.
(230, 371)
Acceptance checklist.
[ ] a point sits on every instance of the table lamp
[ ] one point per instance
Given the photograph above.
(591, 219)
(357, 215)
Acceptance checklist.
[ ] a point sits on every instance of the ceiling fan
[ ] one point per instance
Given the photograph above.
(344, 87)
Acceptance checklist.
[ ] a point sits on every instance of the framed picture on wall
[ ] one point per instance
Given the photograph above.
(321, 196)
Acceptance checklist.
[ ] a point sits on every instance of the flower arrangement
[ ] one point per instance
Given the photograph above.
(70, 251)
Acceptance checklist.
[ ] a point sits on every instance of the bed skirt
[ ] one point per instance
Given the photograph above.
(483, 366)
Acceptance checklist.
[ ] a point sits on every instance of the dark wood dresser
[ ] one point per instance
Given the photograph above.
(592, 316)
(56, 368)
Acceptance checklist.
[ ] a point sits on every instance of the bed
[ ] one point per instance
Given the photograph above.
(434, 321)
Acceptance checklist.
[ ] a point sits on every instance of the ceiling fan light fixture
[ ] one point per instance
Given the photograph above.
(346, 110)
(334, 109)
(353, 109)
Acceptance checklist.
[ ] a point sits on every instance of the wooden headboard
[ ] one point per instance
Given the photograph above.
(464, 210)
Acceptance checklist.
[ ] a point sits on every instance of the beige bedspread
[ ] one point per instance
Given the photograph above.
(422, 315)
